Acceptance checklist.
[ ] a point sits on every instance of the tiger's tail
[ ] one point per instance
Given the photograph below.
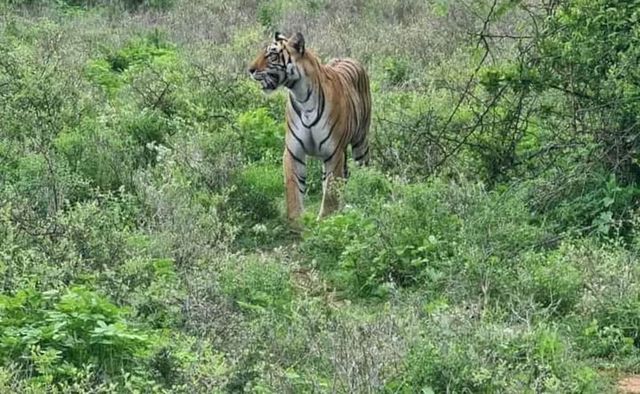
(360, 140)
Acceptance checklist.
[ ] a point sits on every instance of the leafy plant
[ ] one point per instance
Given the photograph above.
(55, 334)
(258, 285)
(261, 136)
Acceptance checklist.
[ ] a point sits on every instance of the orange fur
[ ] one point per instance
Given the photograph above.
(340, 91)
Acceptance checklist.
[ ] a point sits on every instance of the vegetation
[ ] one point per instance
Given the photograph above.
(492, 245)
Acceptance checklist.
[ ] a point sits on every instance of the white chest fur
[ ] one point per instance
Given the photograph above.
(311, 127)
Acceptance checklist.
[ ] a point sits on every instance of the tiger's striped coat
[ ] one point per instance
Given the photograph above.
(328, 109)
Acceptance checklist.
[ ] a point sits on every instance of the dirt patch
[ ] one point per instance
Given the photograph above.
(630, 385)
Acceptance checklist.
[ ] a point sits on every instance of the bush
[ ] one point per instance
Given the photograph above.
(459, 356)
(586, 201)
(588, 44)
(258, 285)
(421, 235)
(54, 335)
(557, 284)
(187, 194)
(269, 12)
(397, 71)
(261, 136)
(605, 314)
(259, 188)
(147, 128)
(149, 58)
(367, 188)
(101, 155)
(151, 287)
(405, 242)
(188, 224)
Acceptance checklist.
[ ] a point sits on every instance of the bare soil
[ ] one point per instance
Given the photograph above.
(630, 385)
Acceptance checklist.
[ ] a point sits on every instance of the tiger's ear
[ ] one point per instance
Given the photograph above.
(279, 36)
(297, 42)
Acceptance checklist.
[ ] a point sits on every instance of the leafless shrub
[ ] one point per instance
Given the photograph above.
(364, 356)
(189, 229)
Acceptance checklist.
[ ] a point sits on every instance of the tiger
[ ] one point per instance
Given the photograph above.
(328, 109)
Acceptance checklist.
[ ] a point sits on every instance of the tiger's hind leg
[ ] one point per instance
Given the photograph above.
(335, 172)
(345, 171)
(360, 151)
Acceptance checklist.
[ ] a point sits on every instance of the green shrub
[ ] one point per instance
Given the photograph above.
(184, 363)
(424, 234)
(269, 12)
(589, 201)
(588, 44)
(455, 356)
(606, 341)
(259, 188)
(621, 318)
(151, 287)
(557, 284)
(41, 184)
(122, 66)
(97, 230)
(257, 285)
(405, 242)
(326, 242)
(605, 316)
(367, 187)
(497, 231)
(148, 128)
(54, 335)
(397, 70)
(261, 136)
(406, 120)
(188, 223)
(100, 154)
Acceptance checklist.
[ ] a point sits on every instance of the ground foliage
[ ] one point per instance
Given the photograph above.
(492, 245)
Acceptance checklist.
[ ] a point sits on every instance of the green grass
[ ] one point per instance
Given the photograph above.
(491, 247)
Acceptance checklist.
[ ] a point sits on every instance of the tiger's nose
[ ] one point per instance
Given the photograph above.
(252, 70)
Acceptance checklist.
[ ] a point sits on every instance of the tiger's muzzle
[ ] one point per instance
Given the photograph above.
(269, 80)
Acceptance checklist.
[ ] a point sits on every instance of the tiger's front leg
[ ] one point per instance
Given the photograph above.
(295, 172)
(334, 173)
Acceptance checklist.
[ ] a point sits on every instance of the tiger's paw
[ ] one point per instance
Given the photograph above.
(296, 227)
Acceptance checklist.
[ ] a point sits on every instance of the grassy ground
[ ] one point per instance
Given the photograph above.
(142, 240)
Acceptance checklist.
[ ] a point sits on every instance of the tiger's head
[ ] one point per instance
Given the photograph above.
(276, 65)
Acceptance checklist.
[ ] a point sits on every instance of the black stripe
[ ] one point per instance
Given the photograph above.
(328, 135)
(358, 144)
(352, 72)
(331, 156)
(308, 96)
(321, 111)
(295, 158)
(362, 155)
(301, 183)
(361, 87)
(289, 84)
(304, 148)
(354, 111)
(297, 110)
